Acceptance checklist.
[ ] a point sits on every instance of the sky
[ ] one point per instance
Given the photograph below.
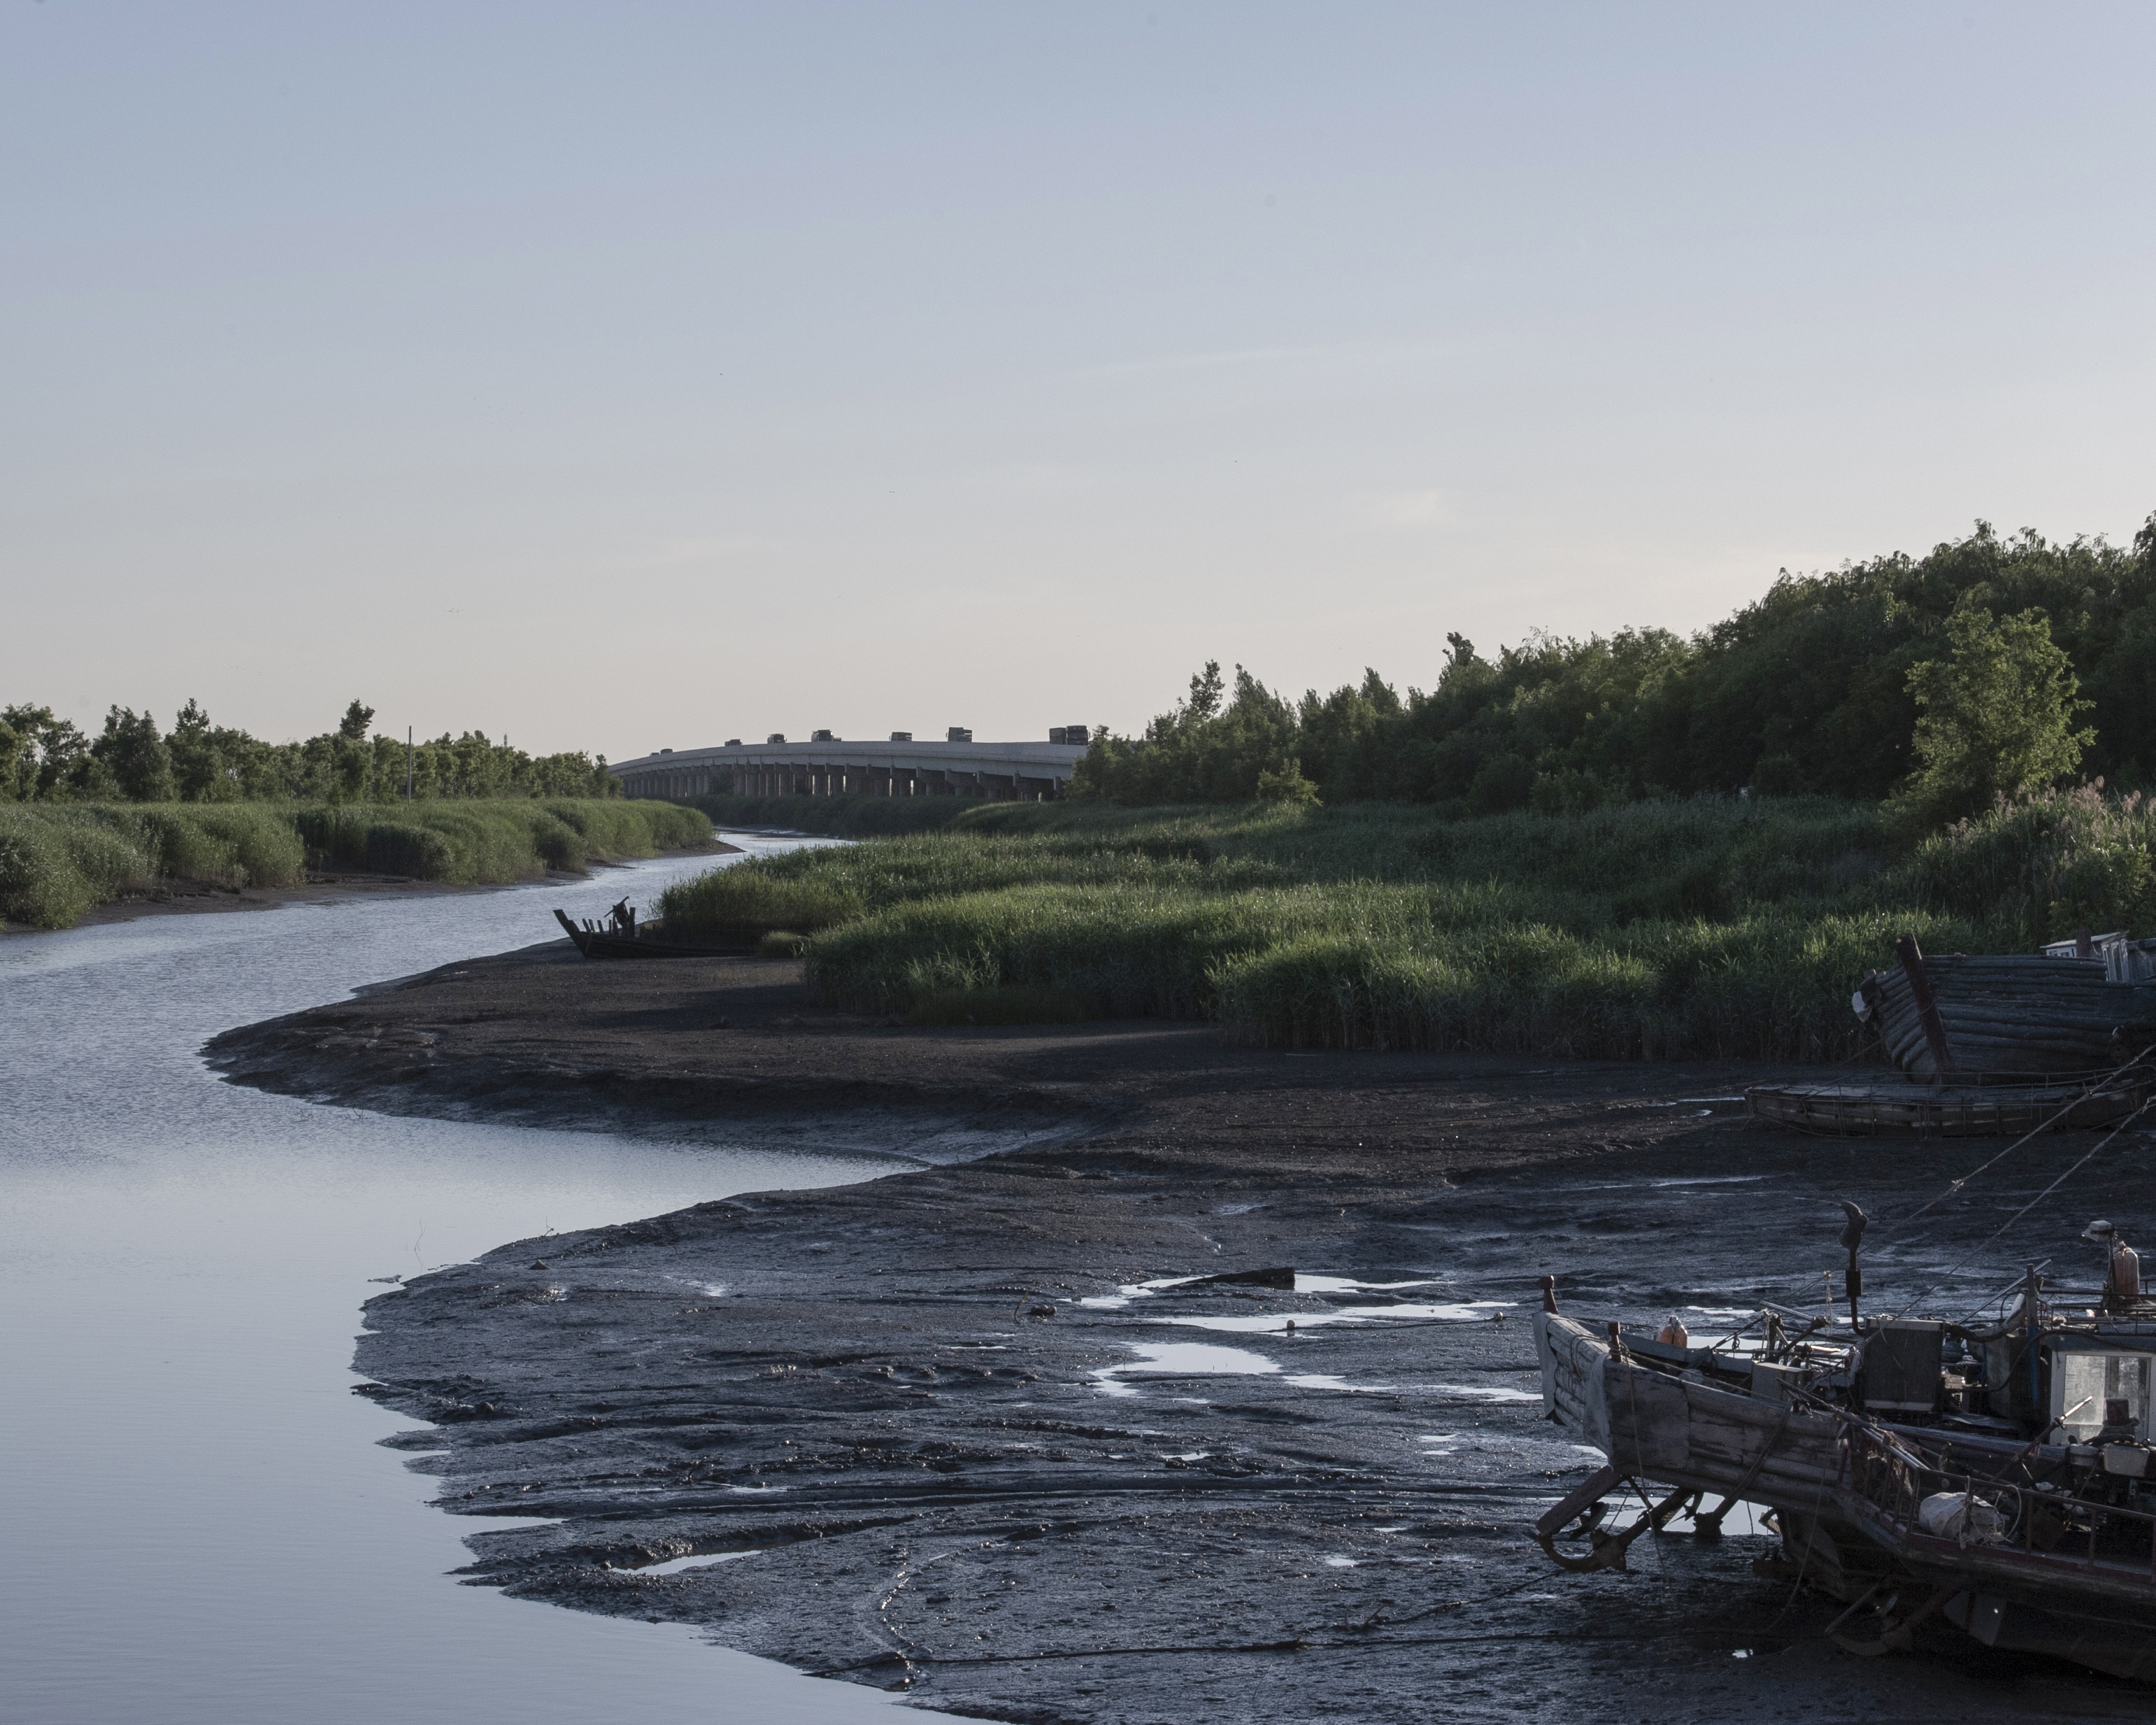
(626, 376)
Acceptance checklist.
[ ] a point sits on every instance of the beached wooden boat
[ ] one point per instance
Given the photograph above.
(2001, 1478)
(2004, 1015)
(624, 936)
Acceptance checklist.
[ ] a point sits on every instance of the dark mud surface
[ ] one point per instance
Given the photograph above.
(937, 1435)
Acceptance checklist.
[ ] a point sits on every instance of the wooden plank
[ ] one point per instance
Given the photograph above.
(1577, 1501)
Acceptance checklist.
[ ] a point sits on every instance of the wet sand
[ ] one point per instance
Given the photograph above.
(943, 1438)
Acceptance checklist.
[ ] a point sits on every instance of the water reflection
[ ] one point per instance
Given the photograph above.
(198, 1525)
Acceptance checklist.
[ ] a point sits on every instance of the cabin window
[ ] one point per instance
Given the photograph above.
(2084, 1379)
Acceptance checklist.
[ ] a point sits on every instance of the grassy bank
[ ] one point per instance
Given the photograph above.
(57, 860)
(835, 816)
(1699, 927)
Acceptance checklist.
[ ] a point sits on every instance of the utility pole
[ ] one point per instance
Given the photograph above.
(407, 763)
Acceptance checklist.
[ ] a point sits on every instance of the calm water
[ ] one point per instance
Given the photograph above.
(195, 1523)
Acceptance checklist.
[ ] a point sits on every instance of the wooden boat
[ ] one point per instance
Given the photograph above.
(1994, 1015)
(2002, 1479)
(623, 936)
(1961, 1110)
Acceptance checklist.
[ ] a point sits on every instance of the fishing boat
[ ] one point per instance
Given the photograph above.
(625, 935)
(1999, 1475)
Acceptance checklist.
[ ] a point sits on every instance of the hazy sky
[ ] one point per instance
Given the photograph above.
(623, 375)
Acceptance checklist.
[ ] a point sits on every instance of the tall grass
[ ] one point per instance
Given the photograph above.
(2045, 864)
(835, 816)
(1708, 928)
(59, 859)
(738, 903)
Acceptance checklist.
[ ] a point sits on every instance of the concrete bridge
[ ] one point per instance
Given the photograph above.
(827, 766)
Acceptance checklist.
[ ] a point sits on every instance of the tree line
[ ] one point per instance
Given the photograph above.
(45, 759)
(1991, 666)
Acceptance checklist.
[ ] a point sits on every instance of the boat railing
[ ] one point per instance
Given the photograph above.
(1998, 1514)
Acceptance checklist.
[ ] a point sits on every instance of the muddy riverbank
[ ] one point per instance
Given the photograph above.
(938, 1433)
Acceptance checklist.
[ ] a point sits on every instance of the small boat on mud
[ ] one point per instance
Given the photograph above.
(2000, 1476)
(1996, 1110)
(624, 936)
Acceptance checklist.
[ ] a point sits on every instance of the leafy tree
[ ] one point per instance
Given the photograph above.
(1286, 784)
(44, 757)
(1337, 734)
(1807, 690)
(131, 751)
(207, 759)
(43, 754)
(1201, 751)
(22, 731)
(1997, 715)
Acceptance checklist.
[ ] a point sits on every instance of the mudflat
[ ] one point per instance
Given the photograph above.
(964, 1432)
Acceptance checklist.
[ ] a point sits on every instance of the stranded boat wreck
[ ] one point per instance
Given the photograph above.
(2000, 1476)
(1994, 1043)
(624, 936)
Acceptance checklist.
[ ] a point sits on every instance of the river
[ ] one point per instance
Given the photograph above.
(200, 1525)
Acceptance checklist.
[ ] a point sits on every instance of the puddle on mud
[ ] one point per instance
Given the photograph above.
(1324, 1380)
(1129, 1291)
(1281, 1322)
(1191, 1359)
(703, 1560)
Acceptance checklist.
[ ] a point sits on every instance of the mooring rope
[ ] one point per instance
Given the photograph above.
(1980, 1246)
(1955, 1186)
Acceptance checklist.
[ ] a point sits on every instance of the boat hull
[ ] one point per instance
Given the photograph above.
(2007, 1015)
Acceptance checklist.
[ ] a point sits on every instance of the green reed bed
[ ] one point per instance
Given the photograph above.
(59, 859)
(746, 902)
(1722, 928)
(834, 816)
(1767, 987)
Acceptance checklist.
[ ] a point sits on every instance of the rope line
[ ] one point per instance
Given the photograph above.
(2032, 1203)
(1953, 1186)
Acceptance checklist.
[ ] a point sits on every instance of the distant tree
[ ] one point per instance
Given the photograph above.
(22, 731)
(18, 762)
(133, 754)
(1996, 716)
(1338, 732)
(351, 759)
(1203, 751)
(45, 753)
(206, 758)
